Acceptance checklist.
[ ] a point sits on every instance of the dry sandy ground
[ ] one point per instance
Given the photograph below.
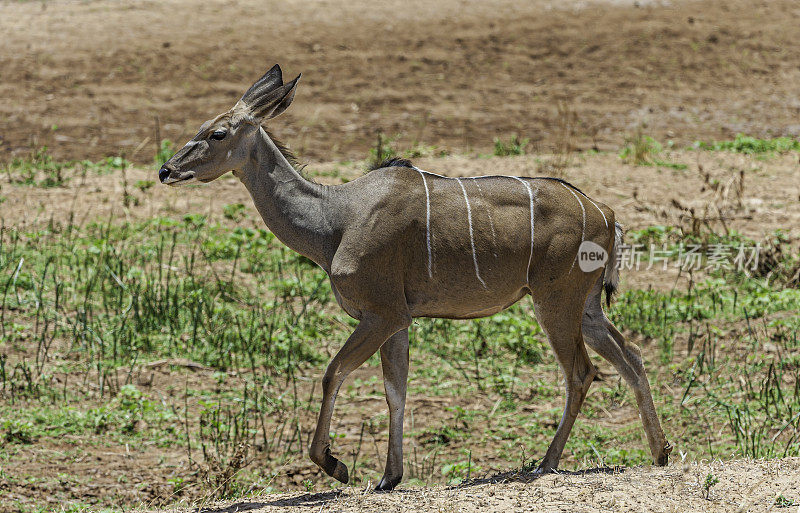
(88, 78)
(744, 486)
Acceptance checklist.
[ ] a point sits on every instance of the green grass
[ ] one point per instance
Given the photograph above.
(643, 150)
(512, 147)
(751, 145)
(40, 169)
(164, 153)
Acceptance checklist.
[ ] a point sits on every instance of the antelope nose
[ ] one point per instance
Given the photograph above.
(163, 174)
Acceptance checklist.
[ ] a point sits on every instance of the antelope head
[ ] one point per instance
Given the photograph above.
(225, 142)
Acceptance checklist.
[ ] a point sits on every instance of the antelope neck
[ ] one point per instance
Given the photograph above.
(296, 210)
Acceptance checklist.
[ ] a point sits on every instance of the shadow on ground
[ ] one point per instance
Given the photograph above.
(317, 500)
(520, 476)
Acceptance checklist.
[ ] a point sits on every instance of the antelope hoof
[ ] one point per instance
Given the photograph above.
(339, 471)
(336, 469)
(331, 466)
(387, 484)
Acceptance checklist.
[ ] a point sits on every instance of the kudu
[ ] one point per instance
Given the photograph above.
(400, 242)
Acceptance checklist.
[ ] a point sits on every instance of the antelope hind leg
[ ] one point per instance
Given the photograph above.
(608, 342)
(659, 446)
(564, 333)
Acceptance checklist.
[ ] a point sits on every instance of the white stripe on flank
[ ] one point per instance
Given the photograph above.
(583, 228)
(471, 236)
(489, 215)
(598, 208)
(427, 222)
(530, 197)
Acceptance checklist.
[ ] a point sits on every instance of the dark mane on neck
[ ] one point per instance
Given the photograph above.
(285, 151)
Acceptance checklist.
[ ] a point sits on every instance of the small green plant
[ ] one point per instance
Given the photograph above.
(234, 211)
(164, 153)
(383, 150)
(132, 405)
(98, 419)
(144, 185)
(783, 502)
(710, 481)
(178, 484)
(640, 150)
(308, 484)
(513, 147)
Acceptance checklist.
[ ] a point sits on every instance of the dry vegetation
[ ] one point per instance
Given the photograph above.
(160, 349)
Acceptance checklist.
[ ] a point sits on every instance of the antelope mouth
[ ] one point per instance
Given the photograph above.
(176, 178)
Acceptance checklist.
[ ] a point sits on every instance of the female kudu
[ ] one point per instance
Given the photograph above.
(400, 243)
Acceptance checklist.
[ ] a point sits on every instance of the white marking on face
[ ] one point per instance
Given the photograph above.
(427, 222)
(229, 153)
(583, 228)
(471, 235)
(530, 197)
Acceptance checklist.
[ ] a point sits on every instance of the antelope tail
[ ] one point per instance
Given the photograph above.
(611, 272)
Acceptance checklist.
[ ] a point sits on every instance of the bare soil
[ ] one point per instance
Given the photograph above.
(88, 79)
(743, 485)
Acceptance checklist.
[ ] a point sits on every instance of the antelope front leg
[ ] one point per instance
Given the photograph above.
(368, 336)
(394, 361)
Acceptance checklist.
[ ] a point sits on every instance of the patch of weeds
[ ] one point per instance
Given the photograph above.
(783, 502)
(643, 150)
(671, 165)
(383, 150)
(144, 185)
(29, 171)
(164, 152)
(18, 431)
(513, 147)
(418, 150)
(234, 211)
(107, 166)
(457, 472)
(179, 484)
(655, 234)
(751, 145)
(640, 149)
(132, 405)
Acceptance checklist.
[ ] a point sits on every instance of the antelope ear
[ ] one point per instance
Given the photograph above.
(275, 102)
(271, 80)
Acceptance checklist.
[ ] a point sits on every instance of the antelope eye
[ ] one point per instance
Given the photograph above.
(218, 135)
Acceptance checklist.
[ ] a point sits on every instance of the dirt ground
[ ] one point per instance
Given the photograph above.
(743, 486)
(91, 79)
